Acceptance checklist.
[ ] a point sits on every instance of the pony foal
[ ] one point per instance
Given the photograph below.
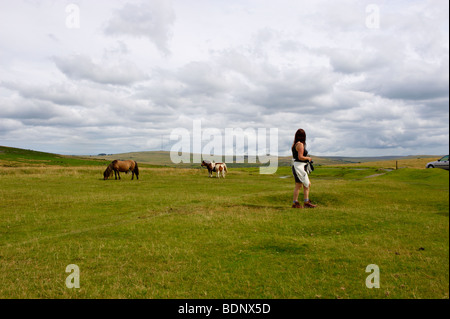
(220, 168)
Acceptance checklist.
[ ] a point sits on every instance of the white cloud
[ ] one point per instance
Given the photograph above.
(80, 67)
(142, 68)
(152, 20)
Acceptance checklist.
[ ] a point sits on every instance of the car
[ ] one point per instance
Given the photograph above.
(441, 163)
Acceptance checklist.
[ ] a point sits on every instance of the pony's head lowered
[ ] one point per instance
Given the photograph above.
(108, 172)
(207, 164)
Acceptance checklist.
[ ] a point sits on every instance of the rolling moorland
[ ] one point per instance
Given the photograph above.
(162, 158)
(175, 233)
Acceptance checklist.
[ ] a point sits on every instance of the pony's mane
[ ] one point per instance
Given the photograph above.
(108, 171)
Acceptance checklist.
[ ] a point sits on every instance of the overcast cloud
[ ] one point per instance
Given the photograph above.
(363, 78)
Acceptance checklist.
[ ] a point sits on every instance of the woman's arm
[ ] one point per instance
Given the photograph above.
(300, 148)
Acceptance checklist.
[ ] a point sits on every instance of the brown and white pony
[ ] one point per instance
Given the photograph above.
(220, 168)
(121, 166)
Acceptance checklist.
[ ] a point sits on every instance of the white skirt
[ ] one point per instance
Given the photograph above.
(298, 169)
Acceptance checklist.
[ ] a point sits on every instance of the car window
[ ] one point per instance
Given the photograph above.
(445, 158)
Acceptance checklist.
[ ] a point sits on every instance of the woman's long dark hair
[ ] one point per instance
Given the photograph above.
(300, 136)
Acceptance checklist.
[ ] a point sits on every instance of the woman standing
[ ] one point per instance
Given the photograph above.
(300, 158)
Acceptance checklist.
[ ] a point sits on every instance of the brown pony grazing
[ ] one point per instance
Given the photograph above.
(121, 166)
(220, 168)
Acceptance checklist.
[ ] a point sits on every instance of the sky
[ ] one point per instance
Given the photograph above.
(362, 78)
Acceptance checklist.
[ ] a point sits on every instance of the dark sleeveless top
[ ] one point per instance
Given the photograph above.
(295, 154)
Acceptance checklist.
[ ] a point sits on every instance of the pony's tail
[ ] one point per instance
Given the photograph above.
(136, 169)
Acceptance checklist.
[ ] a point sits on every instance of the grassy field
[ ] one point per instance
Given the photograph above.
(175, 233)
(16, 157)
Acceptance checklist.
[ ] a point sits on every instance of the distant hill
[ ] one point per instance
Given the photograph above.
(10, 156)
(163, 158)
(14, 157)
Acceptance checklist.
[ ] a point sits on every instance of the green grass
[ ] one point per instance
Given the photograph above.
(16, 157)
(176, 233)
